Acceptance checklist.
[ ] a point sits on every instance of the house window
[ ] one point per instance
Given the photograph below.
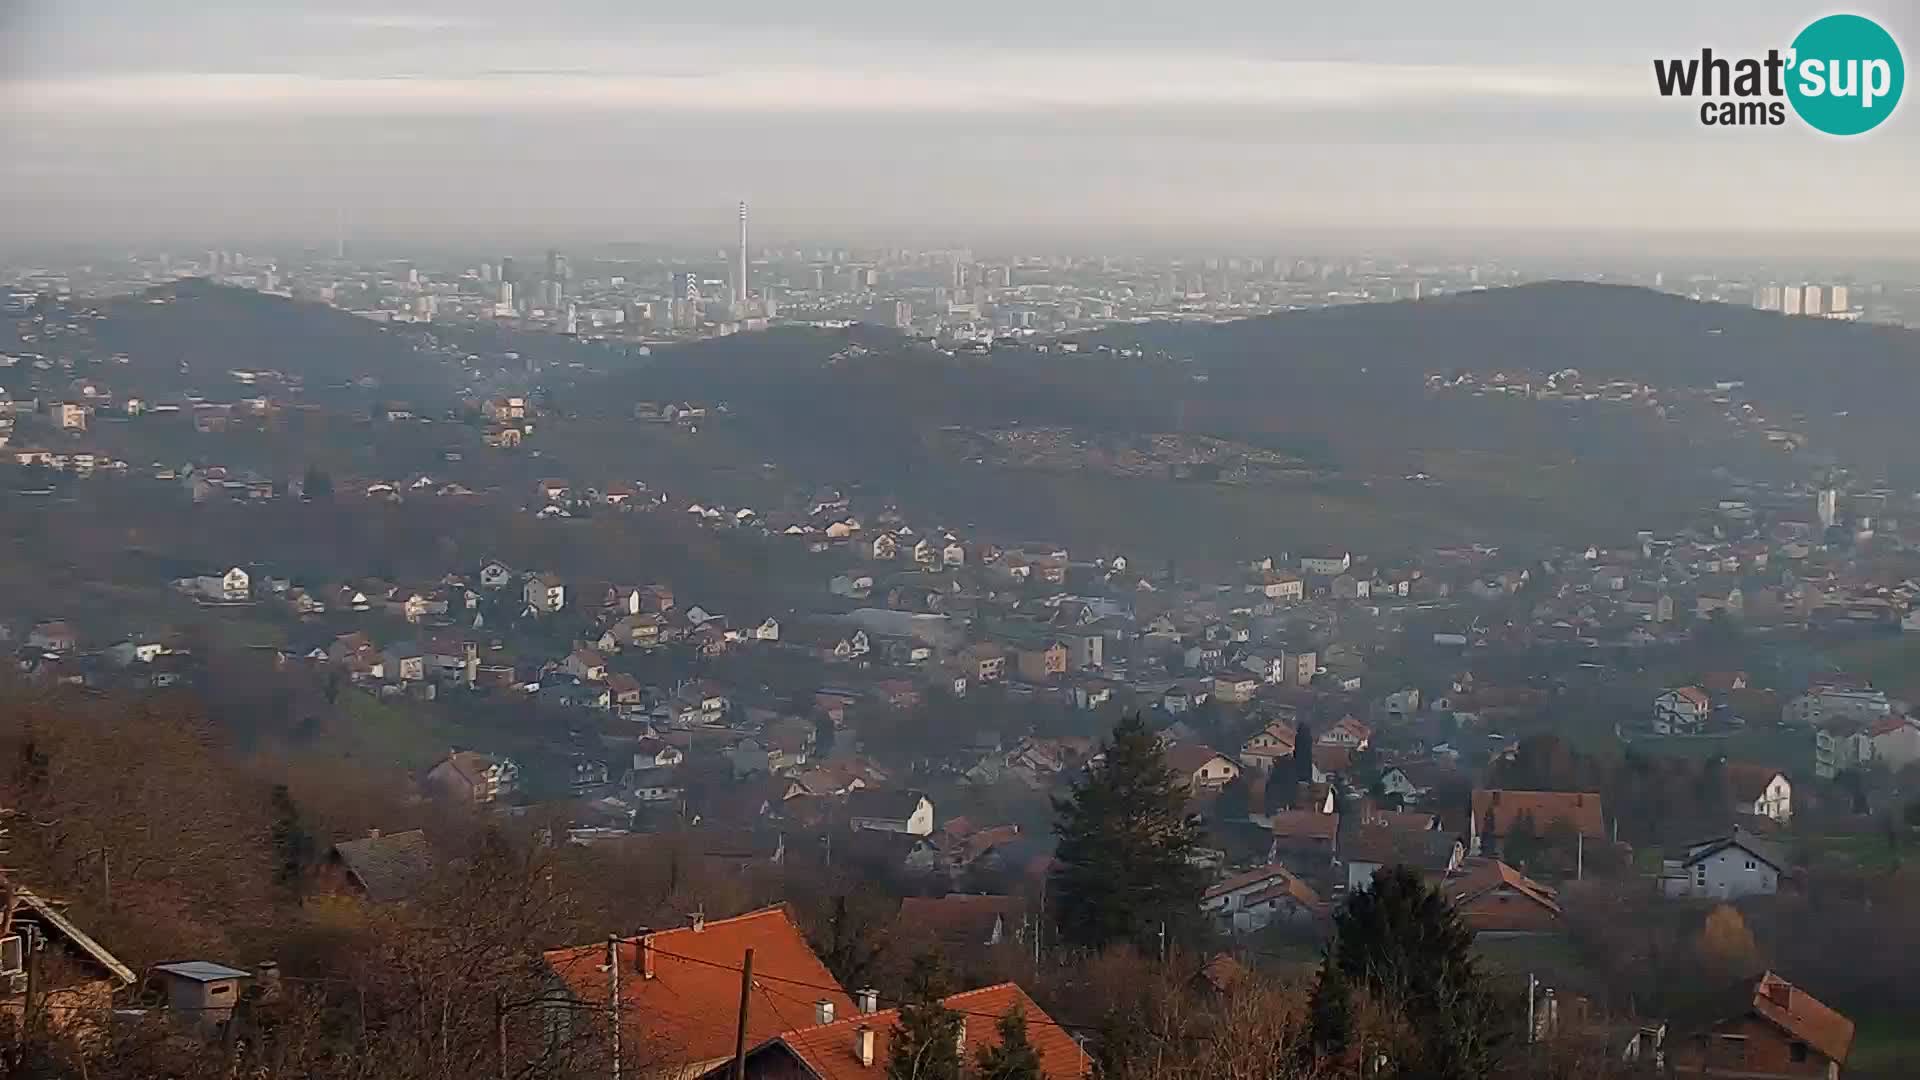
(1751, 865)
(1798, 1051)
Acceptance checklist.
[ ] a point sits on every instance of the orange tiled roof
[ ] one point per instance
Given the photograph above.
(1579, 809)
(828, 1049)
(1803, 1016)
(688, 1009)
(1493, 874)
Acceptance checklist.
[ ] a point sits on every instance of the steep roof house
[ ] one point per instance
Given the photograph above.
(1763, 1028)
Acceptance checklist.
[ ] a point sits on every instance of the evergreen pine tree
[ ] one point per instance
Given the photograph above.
(1303, 754)
(1125, 838)
(1403, 943)
(292, 844)
(1235, 801)
(926, 1039)
(1015, 1058)
(824, 732)
(316, 485)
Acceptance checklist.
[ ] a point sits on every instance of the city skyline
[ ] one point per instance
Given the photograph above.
(1531, 129)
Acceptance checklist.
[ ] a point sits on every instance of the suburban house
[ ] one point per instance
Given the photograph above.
(1839, 745)
(1761, 791)
(1495, 812)
(857, 1045)
(469, 777)
(585, 663)
(1348, 733)
(545, 593)
(1041, 664)
(1763, 1028)
(895, 811)
(1370, 848)
(1272, 744)
(1201, 768)
(1495, 899)
(679, 991)
(1235, 688)
(79, 989)
(384, 868)
(1724, 868)
(963, 921)
(1896, 741)
(1823, 704)
(1681, 711)
(1327, 565)
(1304, 840)
(1259, 897)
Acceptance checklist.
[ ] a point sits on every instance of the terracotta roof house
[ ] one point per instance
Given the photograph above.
(1761, 1028)
(857, 1046)
(680, 989)
(1495, 811)
(963, 920)
(1494, 898)
(1201, 767)
(384, 868)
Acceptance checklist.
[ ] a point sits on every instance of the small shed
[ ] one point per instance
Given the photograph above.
(204, 992)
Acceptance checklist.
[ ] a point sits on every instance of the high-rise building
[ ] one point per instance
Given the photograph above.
(506, 270)
(686, 286)
(1829, 507)
(902, 314)
(1810, 301)
(1790, 300)
(742, 285)
(506, 292)
(1837, 300)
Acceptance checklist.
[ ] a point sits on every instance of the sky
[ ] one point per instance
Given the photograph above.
(1257, 122)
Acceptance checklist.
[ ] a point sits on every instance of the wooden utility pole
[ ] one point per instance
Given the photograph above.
(740, 1031)
(613, 996)
(32, 1014)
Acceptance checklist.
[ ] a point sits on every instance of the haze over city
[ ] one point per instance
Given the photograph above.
(1519, 126)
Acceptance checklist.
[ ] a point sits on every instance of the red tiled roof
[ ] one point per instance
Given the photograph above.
(1305, 825)
(828, 1049)
(1579, 809)
(1189, 758)
(1748, 782)
(961, 918)
(688, 1010)
(1242, 880)
(1801, 1015)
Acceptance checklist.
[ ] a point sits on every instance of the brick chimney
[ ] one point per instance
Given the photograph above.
(646, 956)
(863, 1046)
(823, 1011)
(1780, 992)
(700, 922)
(868, 999)
(373, 834)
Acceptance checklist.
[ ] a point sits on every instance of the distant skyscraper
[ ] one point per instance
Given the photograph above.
(1810, 301)
(1837, 299)
(686, 287)
(506, 292)
(743, 287)
(1790, 300)
(506, 270)
(1829, 507)
(902, 314)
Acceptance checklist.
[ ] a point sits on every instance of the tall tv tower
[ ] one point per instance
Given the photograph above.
(742, 279)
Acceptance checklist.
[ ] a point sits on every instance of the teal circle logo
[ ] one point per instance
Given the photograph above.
(1846, 74)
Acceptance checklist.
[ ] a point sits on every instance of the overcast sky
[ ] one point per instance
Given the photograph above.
(1255, 119)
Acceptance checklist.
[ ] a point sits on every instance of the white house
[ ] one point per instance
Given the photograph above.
(1258, 898)
(1201, 767)
(1761, 791)
(909, 812)
(1724, 868)
(768, 630)
(1681, 711)
(1326, 565)
(1826, 703)
(495, 575)
(545, 593)
(1896, 741)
